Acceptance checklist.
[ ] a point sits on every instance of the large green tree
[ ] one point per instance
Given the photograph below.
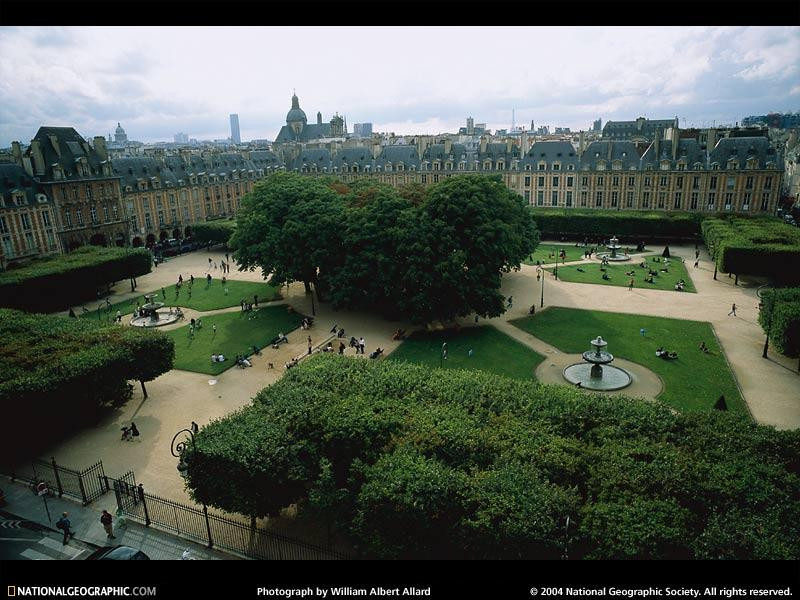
(780, 318)
(289, 227)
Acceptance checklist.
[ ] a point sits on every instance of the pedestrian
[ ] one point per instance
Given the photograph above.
(643, 332)
(209, 263)
(697, 253)
(509, 301)
(191, 279)
(476, 318)
(361, 345)
(214, 329)
(106, 520)
(630, 284)
(72, 314)
(180, 278)
(309, 345)
(195, 427)
(64, 524)
(733, 310)
(697, 262)
(341, 347)
(469, 354)
(134, 430)
(242, 304)
(226, 257)
(255, 300)
(215, 265)
(163, 294)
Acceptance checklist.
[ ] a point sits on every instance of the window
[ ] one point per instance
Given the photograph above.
(29, 241)
(695, 183)
(161, 217)
(713, 183)
(115, 211)
(598, 199)
(569, 198)
(26, 221)
(584, 197)
(678, 199)
(647, 182)
(693, 204)
(527, 196)
(749, 183)
(646, 200)
(615, 181)
(728, 201)
(3, 225)
(662, 181)
(662, 199)
(569, 181)
(148, 221)
(570, 167)
(768, 183)
(93, 213)
(731, 183)
(600, 180)
(584, 181)
(540, 198)
(527, 181)
(554, 198)
(629, 200)
(712, 200)
(541, 181)
(765, 201)
(679, 182)
(556, 166)
(614, 199)
(158, 201)
(45, 219)
(746, 201)
(186, 214)
(555, 181)
(88, 192)
(681, 166)
(135, 221)
(105, 213)
(540, 167)
(174, 213)
(51, 239)
(79, 216)
(8, 247)
(631, 181)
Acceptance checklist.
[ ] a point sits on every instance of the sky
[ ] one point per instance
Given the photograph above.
(157, 81)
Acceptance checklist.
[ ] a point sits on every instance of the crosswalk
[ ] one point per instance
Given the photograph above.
(50, 549)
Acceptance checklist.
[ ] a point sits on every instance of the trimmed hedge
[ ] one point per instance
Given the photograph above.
(760, 246)
(782, 307)
(214, 232)
(62, 281)
(58, 373)
(420, 463)
(629, 224)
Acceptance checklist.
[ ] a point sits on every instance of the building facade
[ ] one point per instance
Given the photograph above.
(236, 136)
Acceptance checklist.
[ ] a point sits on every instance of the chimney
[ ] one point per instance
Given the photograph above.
(26, 164)
(38, 157)
(376, 150)
(581, 143)
(422, 144)
(676, 138)
(448, 146)
(712, 139)
(483, 144)
(16, 151)
(54, 142)
(509, 146)
(524, 143)
(610, 147)
(100, 147)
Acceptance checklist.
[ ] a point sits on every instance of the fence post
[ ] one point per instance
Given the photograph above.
(144, 504)
(83, 489)
(103, 478)
(58, 479)
(208, 526)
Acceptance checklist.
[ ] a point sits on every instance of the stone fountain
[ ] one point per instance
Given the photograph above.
(150, 314)
(614, 255)
(596, 373)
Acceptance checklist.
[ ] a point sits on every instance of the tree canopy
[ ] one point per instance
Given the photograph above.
(213, 232)
(58, 373)
(421, 254)
(780, 318)
(413, 462)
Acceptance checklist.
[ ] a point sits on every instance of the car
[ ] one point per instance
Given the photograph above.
(117, 553)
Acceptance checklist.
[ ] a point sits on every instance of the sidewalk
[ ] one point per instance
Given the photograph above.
(156, 544)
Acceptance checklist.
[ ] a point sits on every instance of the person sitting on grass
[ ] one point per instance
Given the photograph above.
(643, 264)
(630, 273)
(580, 270)
(376, 353)
(649, 279)
(606, 277)
(703, 348)
(679, 286)
(213, 358)
(256, 351)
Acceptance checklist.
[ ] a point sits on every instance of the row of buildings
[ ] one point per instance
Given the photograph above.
(63, 191)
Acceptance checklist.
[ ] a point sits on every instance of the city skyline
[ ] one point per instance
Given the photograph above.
(150, 79)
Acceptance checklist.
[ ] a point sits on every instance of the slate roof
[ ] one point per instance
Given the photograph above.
(310, 132)
(742, 149)
(688, 149)
(407, 155)
(13, 177)
(72, 147)
(628, 129)
(550, 152)
(595, 152)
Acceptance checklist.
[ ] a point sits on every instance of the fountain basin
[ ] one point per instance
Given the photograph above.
(164, 317)
(613, 378)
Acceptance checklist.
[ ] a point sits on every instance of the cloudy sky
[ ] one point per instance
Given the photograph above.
(160, 80)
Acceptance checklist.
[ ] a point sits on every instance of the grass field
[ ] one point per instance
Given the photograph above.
(493, 351)
(692, 382)
(663, 281)
(203, 297)
(547, 252)
(237, 333)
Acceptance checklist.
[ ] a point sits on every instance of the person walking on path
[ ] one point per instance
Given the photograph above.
(309, 345)
(696, 262)
(106, 520)
(630, 284)
(209, 263)
(696, 254)
(226, 257)
(64, 524)
(341, 347)
(134, 430)
(195, 427)
(255, 300)
(361, 345)
(733, 310)
(191, 279)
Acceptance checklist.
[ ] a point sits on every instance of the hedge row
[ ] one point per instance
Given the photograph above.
(415, 463)
(630, 225)
(59, 372)
(62, 281)
(780, 317)
(764, 247)
(215, 232)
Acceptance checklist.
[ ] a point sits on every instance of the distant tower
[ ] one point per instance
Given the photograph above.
(120, 137)
(236, 137)
(470, 126)
(532, 126)
(512, 119)
(296, 118)
(319, 118)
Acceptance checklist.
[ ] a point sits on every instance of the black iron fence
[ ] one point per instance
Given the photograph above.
(85, 485)
(212, 529)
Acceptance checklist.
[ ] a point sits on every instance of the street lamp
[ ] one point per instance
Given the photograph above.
(542, 278)
(178, 448)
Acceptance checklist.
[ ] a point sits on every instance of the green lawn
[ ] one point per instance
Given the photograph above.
(237, 333)
(203, 297)
(493, 351)
(546, 253)
(692, 382)
(663, 281)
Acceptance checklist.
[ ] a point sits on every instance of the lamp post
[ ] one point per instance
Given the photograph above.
(759, 293)
(177, 450)
(542, 278)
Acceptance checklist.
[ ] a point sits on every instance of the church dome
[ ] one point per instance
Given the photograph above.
(296, 114)
(119, 129)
